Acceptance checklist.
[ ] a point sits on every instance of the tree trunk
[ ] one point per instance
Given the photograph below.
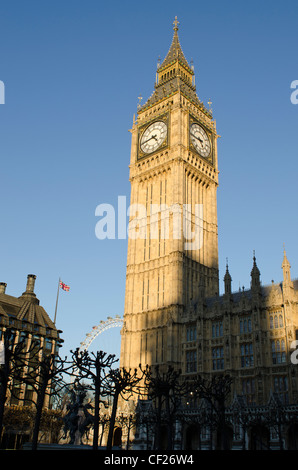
(39, 406)
(157, 443)
(112, 421)
(96, 418)
(169, 423)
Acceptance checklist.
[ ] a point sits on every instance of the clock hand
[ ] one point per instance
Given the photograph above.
(152, 137)
(198, 138)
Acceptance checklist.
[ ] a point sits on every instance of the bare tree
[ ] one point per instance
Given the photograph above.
(128, 421)
(104, 419)
(44, 373)
(166, 390)
(215, 391)
(119, 382)
(14, 356)
(93, 367)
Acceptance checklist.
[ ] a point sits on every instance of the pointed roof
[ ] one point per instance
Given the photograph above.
(285, 263)
(175, 52)
(227, 276)
(25, 308)
(255, 270)
(165, 87)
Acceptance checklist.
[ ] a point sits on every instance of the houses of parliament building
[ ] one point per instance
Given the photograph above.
(173, 313)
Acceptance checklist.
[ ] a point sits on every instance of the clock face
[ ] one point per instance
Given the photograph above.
(200, 140)
(153, 136)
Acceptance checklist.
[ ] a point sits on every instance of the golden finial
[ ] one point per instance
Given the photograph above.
(176, 23)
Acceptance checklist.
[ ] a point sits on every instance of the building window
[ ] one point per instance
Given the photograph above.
(28, 395)
(247, 358)
(281, 388)
(191, 361)
(245, 325)
(248, 391)
(16, 394)
(191, 333)
(276, 320)
(278, 351)
(23, 338)
(217, 358)
(48, 344)
(217, 329)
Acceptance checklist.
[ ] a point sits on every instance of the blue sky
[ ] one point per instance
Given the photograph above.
(73, 72)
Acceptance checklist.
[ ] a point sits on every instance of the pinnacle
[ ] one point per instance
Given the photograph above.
(285, 262)
(175, 51)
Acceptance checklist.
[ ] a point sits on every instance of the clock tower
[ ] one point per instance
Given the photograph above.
(172, 259)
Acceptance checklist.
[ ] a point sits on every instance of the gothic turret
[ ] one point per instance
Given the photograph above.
(287, 284)
(228, 281)
(286, 267)
(255, 276)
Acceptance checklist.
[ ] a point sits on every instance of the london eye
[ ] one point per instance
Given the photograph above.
(103, 325)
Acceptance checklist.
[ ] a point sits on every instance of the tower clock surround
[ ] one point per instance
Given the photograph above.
(153, 137)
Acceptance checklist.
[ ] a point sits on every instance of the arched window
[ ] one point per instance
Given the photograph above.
(275, 321)
(278, 351)
(271, 321)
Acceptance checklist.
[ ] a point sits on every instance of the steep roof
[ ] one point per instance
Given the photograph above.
(176, 81)
(175, 51)
(25, 308)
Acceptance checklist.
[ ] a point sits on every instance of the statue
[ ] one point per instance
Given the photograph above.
(78, 419)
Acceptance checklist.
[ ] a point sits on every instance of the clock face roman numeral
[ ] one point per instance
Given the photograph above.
(153, 137)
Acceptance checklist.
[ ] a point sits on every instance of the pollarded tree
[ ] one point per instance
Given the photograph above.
(122, 383)
(166, 389)
(14, 356)
(29, 364)
(215, 391)
(93, 367)
(45, 374)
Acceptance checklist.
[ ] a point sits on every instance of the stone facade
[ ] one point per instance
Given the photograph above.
(174, 314)
(173, 244)
(249, 335)
(27, 319)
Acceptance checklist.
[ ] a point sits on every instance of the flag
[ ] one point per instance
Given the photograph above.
(64, 286)
(2, 355)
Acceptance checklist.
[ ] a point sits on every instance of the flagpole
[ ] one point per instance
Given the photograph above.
(57, 302)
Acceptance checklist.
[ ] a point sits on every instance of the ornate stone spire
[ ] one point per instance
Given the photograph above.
(286, 267)
(174, 75)
(175, 52)
(255, 274)
(228, 280)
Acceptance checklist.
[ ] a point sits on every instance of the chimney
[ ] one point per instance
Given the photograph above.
(30, 283)
(2, 287)
(29, 292)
